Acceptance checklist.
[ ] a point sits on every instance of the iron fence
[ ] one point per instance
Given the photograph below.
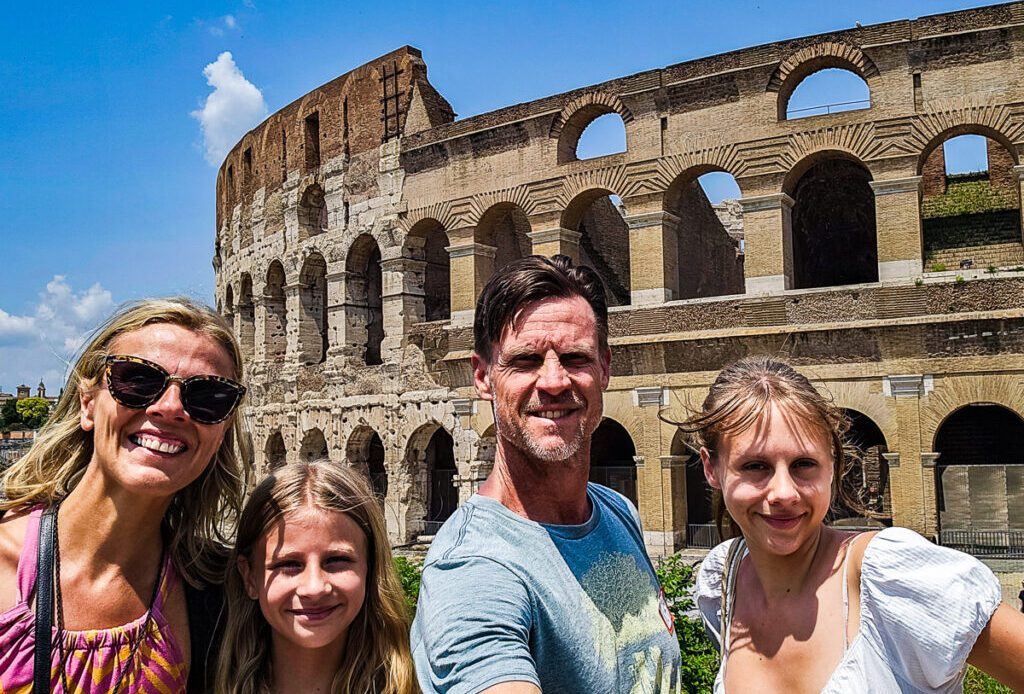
(1008, 544)
(825, 109)
(702, 535)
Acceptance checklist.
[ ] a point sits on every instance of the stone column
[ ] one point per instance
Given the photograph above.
(673, 474)
(335, 314)
(912, 485)
(1019, 170)
(768, 243)
(472, 264)
(898, 227)
(293, 307)
(655, 486)
(551, 239)
(402, 296)
(259, 308)
(653, 257)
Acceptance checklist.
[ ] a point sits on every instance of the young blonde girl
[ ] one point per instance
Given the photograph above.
(798, 606)
(315, 603)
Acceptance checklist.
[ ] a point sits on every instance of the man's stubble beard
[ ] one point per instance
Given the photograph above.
(537, 456)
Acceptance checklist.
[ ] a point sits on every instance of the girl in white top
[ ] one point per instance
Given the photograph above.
(809, 608)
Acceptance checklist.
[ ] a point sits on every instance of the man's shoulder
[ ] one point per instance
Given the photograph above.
(479, 529)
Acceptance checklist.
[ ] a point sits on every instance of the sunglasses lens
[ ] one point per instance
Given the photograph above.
(135, 385)
(209, 401)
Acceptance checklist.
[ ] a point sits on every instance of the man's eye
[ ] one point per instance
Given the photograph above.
(526, 361)
(575, 359)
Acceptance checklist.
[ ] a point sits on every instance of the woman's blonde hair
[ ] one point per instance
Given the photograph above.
(198, 514)
(740, 396)
(377, 659)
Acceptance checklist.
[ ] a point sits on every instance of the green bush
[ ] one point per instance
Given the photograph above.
(937, 267)
(409, 573)
(700, 659)
(977, 682)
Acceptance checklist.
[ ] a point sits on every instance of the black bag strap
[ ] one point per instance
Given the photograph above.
(44, 604)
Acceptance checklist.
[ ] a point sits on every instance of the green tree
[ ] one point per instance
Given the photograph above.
(700, 659)
(33, 411)
(9, 417)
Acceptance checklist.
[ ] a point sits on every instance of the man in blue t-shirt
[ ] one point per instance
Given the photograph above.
(541, 581)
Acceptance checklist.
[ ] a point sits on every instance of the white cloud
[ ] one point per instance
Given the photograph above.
(230, 22)
(43, 341)
(233, 107)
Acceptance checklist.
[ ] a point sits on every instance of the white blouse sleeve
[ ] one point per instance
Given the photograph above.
(709, 590)
(923, 606)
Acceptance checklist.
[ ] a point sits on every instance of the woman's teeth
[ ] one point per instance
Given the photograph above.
(154, 444)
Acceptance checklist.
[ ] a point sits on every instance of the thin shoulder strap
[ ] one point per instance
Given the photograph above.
(729, 570)
(44, 605)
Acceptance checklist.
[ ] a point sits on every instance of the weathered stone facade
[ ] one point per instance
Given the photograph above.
(357, 226)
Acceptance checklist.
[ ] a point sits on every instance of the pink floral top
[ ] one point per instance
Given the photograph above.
(95, 658)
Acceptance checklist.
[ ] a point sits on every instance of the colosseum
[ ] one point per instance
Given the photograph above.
(356, 226)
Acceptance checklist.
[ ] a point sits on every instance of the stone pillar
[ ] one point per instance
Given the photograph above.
(259, 307)
(293, 307)
(1019, 170)
(673, 474)
(335, 314)
(768, 243)
(555, 241)
(402, 297)
(912, 485)
(898, 227)
(655, 486)
(653, 257)
(472, 264)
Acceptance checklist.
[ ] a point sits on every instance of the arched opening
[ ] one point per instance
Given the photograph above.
(313, 317)
(867, 479)
(970, 202)
(228, 310)
(608, 137)
(312, 212)
(612, 462)
(980, 473)
(274, 452)
(827, 91)
(505, 227)
(700, 524)
(428, 242)
(599, 217)
(442, 494)
(834, 240)
(366, 452)
(604, 135)
(247, 316)
(313, 447)
(364, 304)
(708, 225)
(276, 326)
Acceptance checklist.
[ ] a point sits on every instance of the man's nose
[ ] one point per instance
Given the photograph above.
(553, 377)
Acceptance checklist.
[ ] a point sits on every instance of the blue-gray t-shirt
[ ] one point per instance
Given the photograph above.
(570, 608)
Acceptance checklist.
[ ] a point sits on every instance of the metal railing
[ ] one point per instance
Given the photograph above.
(702, 535)
(827, 109)
(431, 527)
(1003, 544)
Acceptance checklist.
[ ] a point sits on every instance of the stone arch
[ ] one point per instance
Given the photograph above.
(604, 240)
(971, 218)
(956, 394)
(505, 227)
(274, 451)
(577, 114)
(364, 303)
(313, 341)
(980, 469)
(831, 235)
(430, 464)
(365, 451)
(708, 258)
(427, 243)
(612, 458)
(312, 212)
(313, 446)
(814, 58)
(247, 316)
(276, 325)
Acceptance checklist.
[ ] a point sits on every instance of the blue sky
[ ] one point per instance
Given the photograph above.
(107, 194)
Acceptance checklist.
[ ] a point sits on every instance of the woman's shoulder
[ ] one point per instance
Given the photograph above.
(709, 575)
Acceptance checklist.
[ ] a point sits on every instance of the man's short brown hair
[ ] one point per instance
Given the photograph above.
(527, 281)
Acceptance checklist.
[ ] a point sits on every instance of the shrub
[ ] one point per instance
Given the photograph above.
(918, 282)
(409, 573)
(959, 279)
(937, 267)
(700, 659)
(977, 682)
(991, 269)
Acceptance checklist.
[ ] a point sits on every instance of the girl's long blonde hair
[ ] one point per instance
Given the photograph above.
(195, 521)
(377, 659)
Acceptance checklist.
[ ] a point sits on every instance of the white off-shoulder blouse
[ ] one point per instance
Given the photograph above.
(922, 608)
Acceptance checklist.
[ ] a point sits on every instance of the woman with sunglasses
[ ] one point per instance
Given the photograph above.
(113, 527)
